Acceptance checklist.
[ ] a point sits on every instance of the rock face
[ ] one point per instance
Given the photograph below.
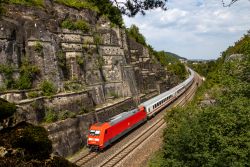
(103, 59)
(93, 65)
(69, 135)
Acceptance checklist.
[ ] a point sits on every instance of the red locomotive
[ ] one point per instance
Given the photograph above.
(103, 134)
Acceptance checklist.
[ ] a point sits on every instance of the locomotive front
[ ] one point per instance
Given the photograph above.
(96, 136)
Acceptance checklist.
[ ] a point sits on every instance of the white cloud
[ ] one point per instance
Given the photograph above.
(173, 15)
(194, 28)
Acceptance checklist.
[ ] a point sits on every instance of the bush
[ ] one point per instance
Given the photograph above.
(47, 88)
(66, 114)
(111, 12)
(78, 4)
(39, 3)
(80, 60)
(33, 94)
(178, 69)
(34, 140)
(38, 47)
(28, 73)
(50, 116)
(133, 32)
(6, 109)
(73, 86)
(7, 71)
(97, 39)
(76, 25)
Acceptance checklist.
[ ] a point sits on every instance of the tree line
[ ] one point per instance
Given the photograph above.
(214, 129)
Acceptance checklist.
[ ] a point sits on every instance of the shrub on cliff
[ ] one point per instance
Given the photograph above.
(6, 109)
(107, 9)
(47, 88)
(78, 4)
(133, 32)
(76, 25)
(28, 73)
(7, 71)
(34, 140)
(28, 145)
(39, 3)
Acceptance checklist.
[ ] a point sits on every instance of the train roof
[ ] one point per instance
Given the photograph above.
(122, 116)
(169, 92)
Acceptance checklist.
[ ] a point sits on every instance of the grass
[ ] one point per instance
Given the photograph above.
(53, 116)
(76, 25)
(33, 94)
(78, 4)
(39, 3)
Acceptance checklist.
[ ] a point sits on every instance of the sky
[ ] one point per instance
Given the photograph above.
(194, 29)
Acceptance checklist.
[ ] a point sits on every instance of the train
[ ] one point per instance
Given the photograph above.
(103, 134)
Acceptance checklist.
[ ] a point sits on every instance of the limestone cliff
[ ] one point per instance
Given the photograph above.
(86, 65)
(103, 58)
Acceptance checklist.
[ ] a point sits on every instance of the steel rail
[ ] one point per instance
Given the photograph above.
(117, 157)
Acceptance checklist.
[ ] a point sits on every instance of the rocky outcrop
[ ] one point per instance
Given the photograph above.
(86, 67)
(103, 59)
(69, 135)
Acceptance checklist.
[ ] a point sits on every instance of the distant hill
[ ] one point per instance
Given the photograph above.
(175, 55)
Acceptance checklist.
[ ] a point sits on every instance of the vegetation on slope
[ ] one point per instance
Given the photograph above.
(6, 109)
(107, 9)
(133, 32)
(78, 4)
(102, 7)
(175, 55)
(214, 129)
(39, 3)
(25, 144)
(76, 25)
(170, 62)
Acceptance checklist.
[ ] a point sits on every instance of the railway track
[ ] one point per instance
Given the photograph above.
(133, 144)
(115, 158)
(86, 158)
(146, 134)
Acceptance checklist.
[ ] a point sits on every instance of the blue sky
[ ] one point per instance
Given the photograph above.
(195, 29)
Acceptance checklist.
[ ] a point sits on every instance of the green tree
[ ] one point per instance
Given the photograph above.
(107, 9)
(215, 134)
(134, 33)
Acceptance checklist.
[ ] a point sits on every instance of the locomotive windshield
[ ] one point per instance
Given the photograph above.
(94, 132)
